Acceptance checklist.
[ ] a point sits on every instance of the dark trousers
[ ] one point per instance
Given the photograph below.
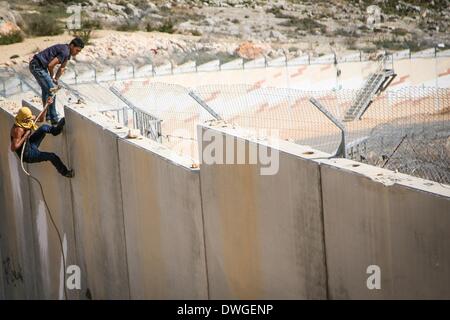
(32, 153)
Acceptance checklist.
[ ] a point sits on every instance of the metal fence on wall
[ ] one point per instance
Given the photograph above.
(406, 130)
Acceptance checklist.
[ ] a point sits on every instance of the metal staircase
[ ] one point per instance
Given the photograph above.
(376, 84)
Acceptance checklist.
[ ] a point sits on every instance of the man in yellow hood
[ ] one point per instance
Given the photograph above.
(21, 130)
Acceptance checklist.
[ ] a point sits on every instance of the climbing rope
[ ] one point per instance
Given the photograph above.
(45, 202)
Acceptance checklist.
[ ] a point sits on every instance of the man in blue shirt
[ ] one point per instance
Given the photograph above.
(42, 66)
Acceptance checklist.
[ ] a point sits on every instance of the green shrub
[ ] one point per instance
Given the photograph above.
(122, 3)
(274, 10)
(12, 37)
(129, 27)
(400, 32)
(401, 45)
(306, 24)
(166, 27)
(42, 25)
(343, 33)
(87, 26)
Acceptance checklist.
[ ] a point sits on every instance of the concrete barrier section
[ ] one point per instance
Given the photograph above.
(277, 62)
(162, 70)
(163, 223)
(403, 54)
(326, 59)
(2, 283)
(298, 61)
(443, 53)
(16, 226)
(97, 199)
(187, 67)
(263, 233)
(386, 234)
(209, 66)
(427, 53)
(124, 72)
(351, 57)
(256, 63)
(57, 192)
(234, 64)
(144, 71)
(107, 74)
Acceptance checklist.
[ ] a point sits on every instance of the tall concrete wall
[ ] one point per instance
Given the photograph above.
(163, 223)
(432, 72)
(398, 223)
(371, 217)
(93, 212)
(264, 233)
(97, 196)
(16, 227)
(2, 283)
(48, 248)
(141, 223)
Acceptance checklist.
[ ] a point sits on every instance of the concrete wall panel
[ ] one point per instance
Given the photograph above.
(16, 227)
(97, 199)
(2, 283)
(163, 219)
(57, 193)
(401, 227)
(264, 236)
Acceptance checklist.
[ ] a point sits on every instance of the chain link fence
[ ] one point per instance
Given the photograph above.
(405, 130)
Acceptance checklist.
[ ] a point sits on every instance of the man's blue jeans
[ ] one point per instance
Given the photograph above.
(45, 82)
(32, 153)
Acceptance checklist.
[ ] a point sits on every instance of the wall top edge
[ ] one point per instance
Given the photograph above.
(261, 137)
(380, 175)
(122, 131)
(389, 177)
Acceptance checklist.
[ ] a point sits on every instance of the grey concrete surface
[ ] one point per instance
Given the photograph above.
(264, 233)
(399, 223)
(163, 223)
(97, 199)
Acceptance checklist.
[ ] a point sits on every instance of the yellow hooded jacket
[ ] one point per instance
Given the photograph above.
(24, 119)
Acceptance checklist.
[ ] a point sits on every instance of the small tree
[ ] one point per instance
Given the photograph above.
(12, 37)
(87, 26)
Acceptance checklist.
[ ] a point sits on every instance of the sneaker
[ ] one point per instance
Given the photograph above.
(69, 174)
(54, 122)
(61, 123)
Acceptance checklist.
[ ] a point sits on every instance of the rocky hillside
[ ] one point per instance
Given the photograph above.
(204, 28)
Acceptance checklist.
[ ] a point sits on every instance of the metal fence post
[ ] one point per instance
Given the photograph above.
(340, 152)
